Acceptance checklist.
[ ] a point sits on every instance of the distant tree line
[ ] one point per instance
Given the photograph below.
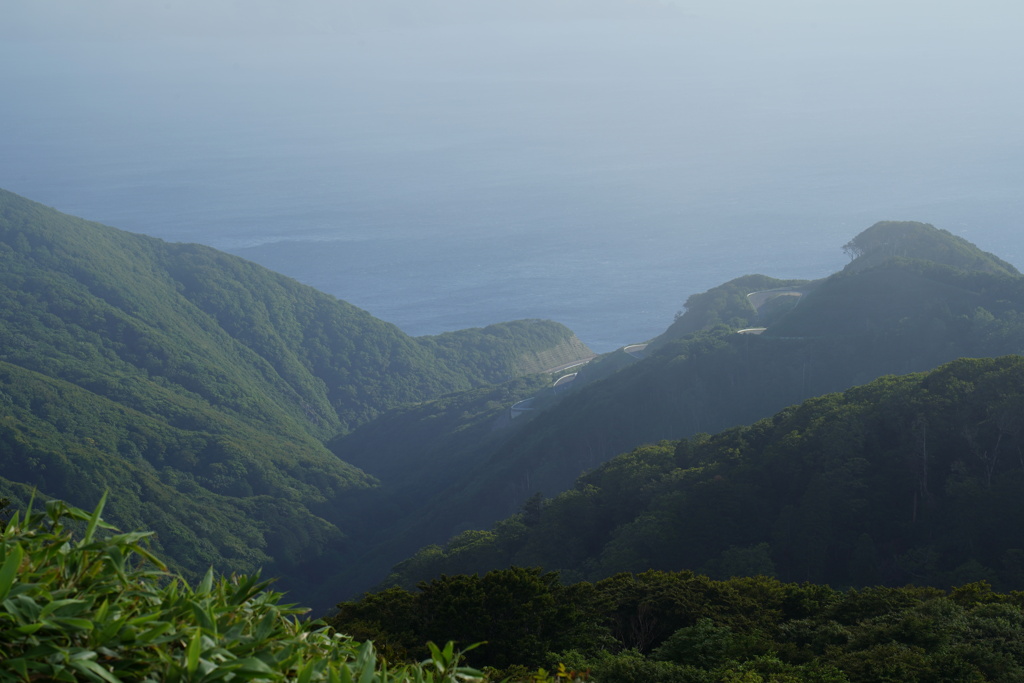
(687, 628)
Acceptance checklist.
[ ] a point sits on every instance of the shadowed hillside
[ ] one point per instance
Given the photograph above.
(199, 387)
(898, 316)
(911, 479)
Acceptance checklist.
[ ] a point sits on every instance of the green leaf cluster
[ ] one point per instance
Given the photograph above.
(98, 606)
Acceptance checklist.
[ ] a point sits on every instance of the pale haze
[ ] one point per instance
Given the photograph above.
(454, 164)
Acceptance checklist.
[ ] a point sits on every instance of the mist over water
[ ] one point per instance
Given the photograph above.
(460, 164)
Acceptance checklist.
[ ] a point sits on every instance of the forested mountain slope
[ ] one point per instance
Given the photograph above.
(912, 479)
(199, 387)
(727, 304)
(910, 239)
(898, 316)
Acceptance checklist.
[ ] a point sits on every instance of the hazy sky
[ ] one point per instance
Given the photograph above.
(717, 95)
(806, 119)
(910, 20)
(951, 55)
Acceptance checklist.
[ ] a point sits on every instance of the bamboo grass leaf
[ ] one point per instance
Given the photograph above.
(9, 570)
(94, 520)
(192, 652)
(206, 584)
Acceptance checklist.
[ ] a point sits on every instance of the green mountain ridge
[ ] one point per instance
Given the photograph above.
(908, 479)
(255, 422)
(726, 304)
(201, 387)
(900, 315)
(886, 240)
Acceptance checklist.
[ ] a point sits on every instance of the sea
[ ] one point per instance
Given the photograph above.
(597, 180)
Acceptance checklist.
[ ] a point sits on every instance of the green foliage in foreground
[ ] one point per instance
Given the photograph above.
(681, 627)
(97, 606)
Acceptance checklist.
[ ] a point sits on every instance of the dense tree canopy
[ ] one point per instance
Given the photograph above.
(907, 479)
(681, 626)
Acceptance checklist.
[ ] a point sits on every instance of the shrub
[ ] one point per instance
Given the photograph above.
(100, 607)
